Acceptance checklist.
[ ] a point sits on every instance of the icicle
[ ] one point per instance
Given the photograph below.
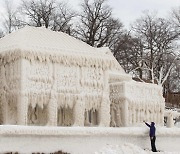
(33, 104)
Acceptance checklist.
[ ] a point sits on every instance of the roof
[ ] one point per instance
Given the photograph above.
(42, 39)
(38, 43)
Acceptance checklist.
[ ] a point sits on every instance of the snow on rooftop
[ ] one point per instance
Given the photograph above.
(38, 43)
(42, 39)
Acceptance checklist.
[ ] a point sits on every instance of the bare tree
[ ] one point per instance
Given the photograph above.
(129, 53)
(9, 21)
(176, 16)
(174, 78)
(39, 11)
(1, 33)
(62, 18)
(49, 13)
(158, 37)
(97, 27)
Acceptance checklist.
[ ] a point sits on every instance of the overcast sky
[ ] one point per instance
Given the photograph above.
(129, 10)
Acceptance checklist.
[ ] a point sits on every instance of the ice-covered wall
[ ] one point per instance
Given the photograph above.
(74, 90)
(56, 94)
(10, 77)
(59, 94)
(133, 102)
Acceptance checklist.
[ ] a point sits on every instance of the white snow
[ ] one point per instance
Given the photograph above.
(42, 39)
(127, 148)
(87, 140)
(126, 131)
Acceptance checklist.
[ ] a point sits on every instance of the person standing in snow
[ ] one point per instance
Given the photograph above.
(152, 135)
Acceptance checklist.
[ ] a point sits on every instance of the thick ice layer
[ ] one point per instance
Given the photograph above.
(44, 45)
(42, 39)
(84, 140)
(90, 131)
(133, 102)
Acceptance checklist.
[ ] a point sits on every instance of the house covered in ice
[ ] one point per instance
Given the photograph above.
(51, 78)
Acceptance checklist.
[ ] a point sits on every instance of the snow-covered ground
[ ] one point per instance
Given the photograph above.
(141, 130)
(87, 140)
(128, 148)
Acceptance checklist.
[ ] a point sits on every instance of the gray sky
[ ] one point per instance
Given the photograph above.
(129, 10)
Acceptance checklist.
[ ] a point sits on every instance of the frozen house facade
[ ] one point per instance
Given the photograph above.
(50, 78)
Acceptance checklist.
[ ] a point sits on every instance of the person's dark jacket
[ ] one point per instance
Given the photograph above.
(152, 129)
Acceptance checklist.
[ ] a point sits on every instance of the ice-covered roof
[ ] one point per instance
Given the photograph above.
(38, 43)
(42, 39)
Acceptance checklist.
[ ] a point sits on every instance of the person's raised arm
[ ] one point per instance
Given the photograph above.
(147, 124)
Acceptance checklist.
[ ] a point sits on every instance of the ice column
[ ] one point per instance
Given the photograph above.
(118, 113)
(170, 121)
(162, 114)
(22, 100)
(22, 109)
(5, 109)
(52, 105)
(104, 112)
(4, 102)
(78, 111)
(52, 109)
(125, 113)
